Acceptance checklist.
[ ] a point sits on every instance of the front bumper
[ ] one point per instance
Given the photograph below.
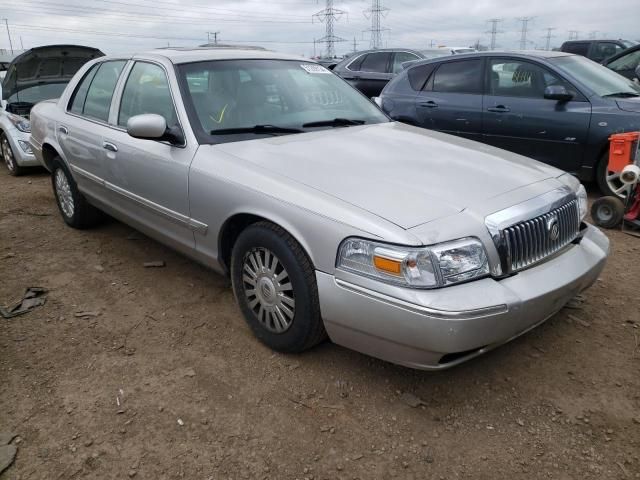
(441, 328)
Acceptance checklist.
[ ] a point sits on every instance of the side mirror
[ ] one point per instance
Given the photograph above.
(557, 92)
(150, 126)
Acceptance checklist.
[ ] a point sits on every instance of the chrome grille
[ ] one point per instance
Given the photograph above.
(531, 241)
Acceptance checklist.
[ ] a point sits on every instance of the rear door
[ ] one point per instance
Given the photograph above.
(451, 100)
(85, 124)
(372, 74)
(518, 118)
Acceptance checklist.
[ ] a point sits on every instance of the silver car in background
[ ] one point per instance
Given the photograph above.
(331, 220)
(37, 74)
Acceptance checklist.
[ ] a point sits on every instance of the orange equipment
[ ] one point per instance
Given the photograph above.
(622, 150)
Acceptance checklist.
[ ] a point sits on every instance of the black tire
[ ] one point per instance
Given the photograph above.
(9, 158)
(607, 212)
(82, 214)
(305, 328)
(602, 172)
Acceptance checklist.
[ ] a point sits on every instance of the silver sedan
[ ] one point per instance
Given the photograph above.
(331, 220)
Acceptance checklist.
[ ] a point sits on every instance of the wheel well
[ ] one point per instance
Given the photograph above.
(230, 232)
(48, 154)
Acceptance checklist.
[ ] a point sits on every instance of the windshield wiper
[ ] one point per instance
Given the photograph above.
(257, 129)
(336, 122)
(622, 95)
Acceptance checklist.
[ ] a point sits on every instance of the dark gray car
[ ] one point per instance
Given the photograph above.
(370, 70)
(551, 106)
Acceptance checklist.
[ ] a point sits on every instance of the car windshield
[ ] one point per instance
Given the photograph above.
(232, 95)
(601, 80)
(38, 93)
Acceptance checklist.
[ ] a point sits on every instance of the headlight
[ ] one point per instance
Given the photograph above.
(20, 123)
(575, 185)
(424, 267)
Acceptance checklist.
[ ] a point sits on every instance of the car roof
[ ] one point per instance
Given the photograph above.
(539, 54)
(203, 54)
(595, 40)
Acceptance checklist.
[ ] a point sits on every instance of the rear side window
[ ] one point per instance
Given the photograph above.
(418, 76)
(464, 76)
(581, 48)
(80, 95)
(98, 101)
(376, 62)
(604, 50)
(399, 58)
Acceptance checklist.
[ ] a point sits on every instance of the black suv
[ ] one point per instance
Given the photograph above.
(596, 50)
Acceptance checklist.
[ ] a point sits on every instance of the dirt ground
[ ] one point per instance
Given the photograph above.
(165, 381)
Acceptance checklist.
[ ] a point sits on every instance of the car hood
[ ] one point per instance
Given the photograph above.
(404, 174)
(45, 65)
(629, 104)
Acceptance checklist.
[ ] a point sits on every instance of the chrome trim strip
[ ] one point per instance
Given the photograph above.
(89, 175)
(419, 309)
(177, 217)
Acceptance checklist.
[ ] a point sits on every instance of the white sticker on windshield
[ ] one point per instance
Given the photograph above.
(313, 68)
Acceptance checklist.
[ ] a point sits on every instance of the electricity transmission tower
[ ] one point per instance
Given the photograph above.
(215, 37)
(593, 34)
(525, 29)
(548, 37)
(494, 31)
(329, 16)
(573, 34)
(376, 13)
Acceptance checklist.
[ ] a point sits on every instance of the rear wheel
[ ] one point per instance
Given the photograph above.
(8, 157)
(608, 181)
(274, 284)
(607, 212)
(76, 211)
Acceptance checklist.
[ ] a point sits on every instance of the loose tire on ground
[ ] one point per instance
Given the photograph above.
(607, 212)
(9, 158)
(271, 271)
(76, 211)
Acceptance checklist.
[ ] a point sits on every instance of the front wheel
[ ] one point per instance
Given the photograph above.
(274, 284)
(8, 157)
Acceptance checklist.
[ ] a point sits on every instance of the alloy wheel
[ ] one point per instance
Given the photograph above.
(7, 154)
(620, 189)
(63, 192)
(268, 290)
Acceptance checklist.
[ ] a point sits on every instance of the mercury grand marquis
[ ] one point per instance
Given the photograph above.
(331, 220)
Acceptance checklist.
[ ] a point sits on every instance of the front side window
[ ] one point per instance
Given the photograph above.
(399, 58)
(602, 81)
(626, 62)
(604, 50)
(375, 62)
(464, 76)
(517, 78)
(232, 94)
(147, 91)
(98, 101)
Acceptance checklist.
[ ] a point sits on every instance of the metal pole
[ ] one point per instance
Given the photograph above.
(8, 35)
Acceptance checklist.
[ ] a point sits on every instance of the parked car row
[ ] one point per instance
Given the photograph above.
(330, 219)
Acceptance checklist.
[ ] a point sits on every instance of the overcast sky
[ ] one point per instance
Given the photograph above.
(123, 26)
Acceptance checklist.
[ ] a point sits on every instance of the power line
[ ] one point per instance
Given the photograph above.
(494, 31)
(376, 13)
(523, 32)
(548, 37)
(329, 16)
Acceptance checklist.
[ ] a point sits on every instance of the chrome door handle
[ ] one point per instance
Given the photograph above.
(63, 129)
(109, 146)
(429, 104)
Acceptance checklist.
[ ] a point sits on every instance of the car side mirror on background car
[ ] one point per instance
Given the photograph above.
(557, 92)
(150, 126)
